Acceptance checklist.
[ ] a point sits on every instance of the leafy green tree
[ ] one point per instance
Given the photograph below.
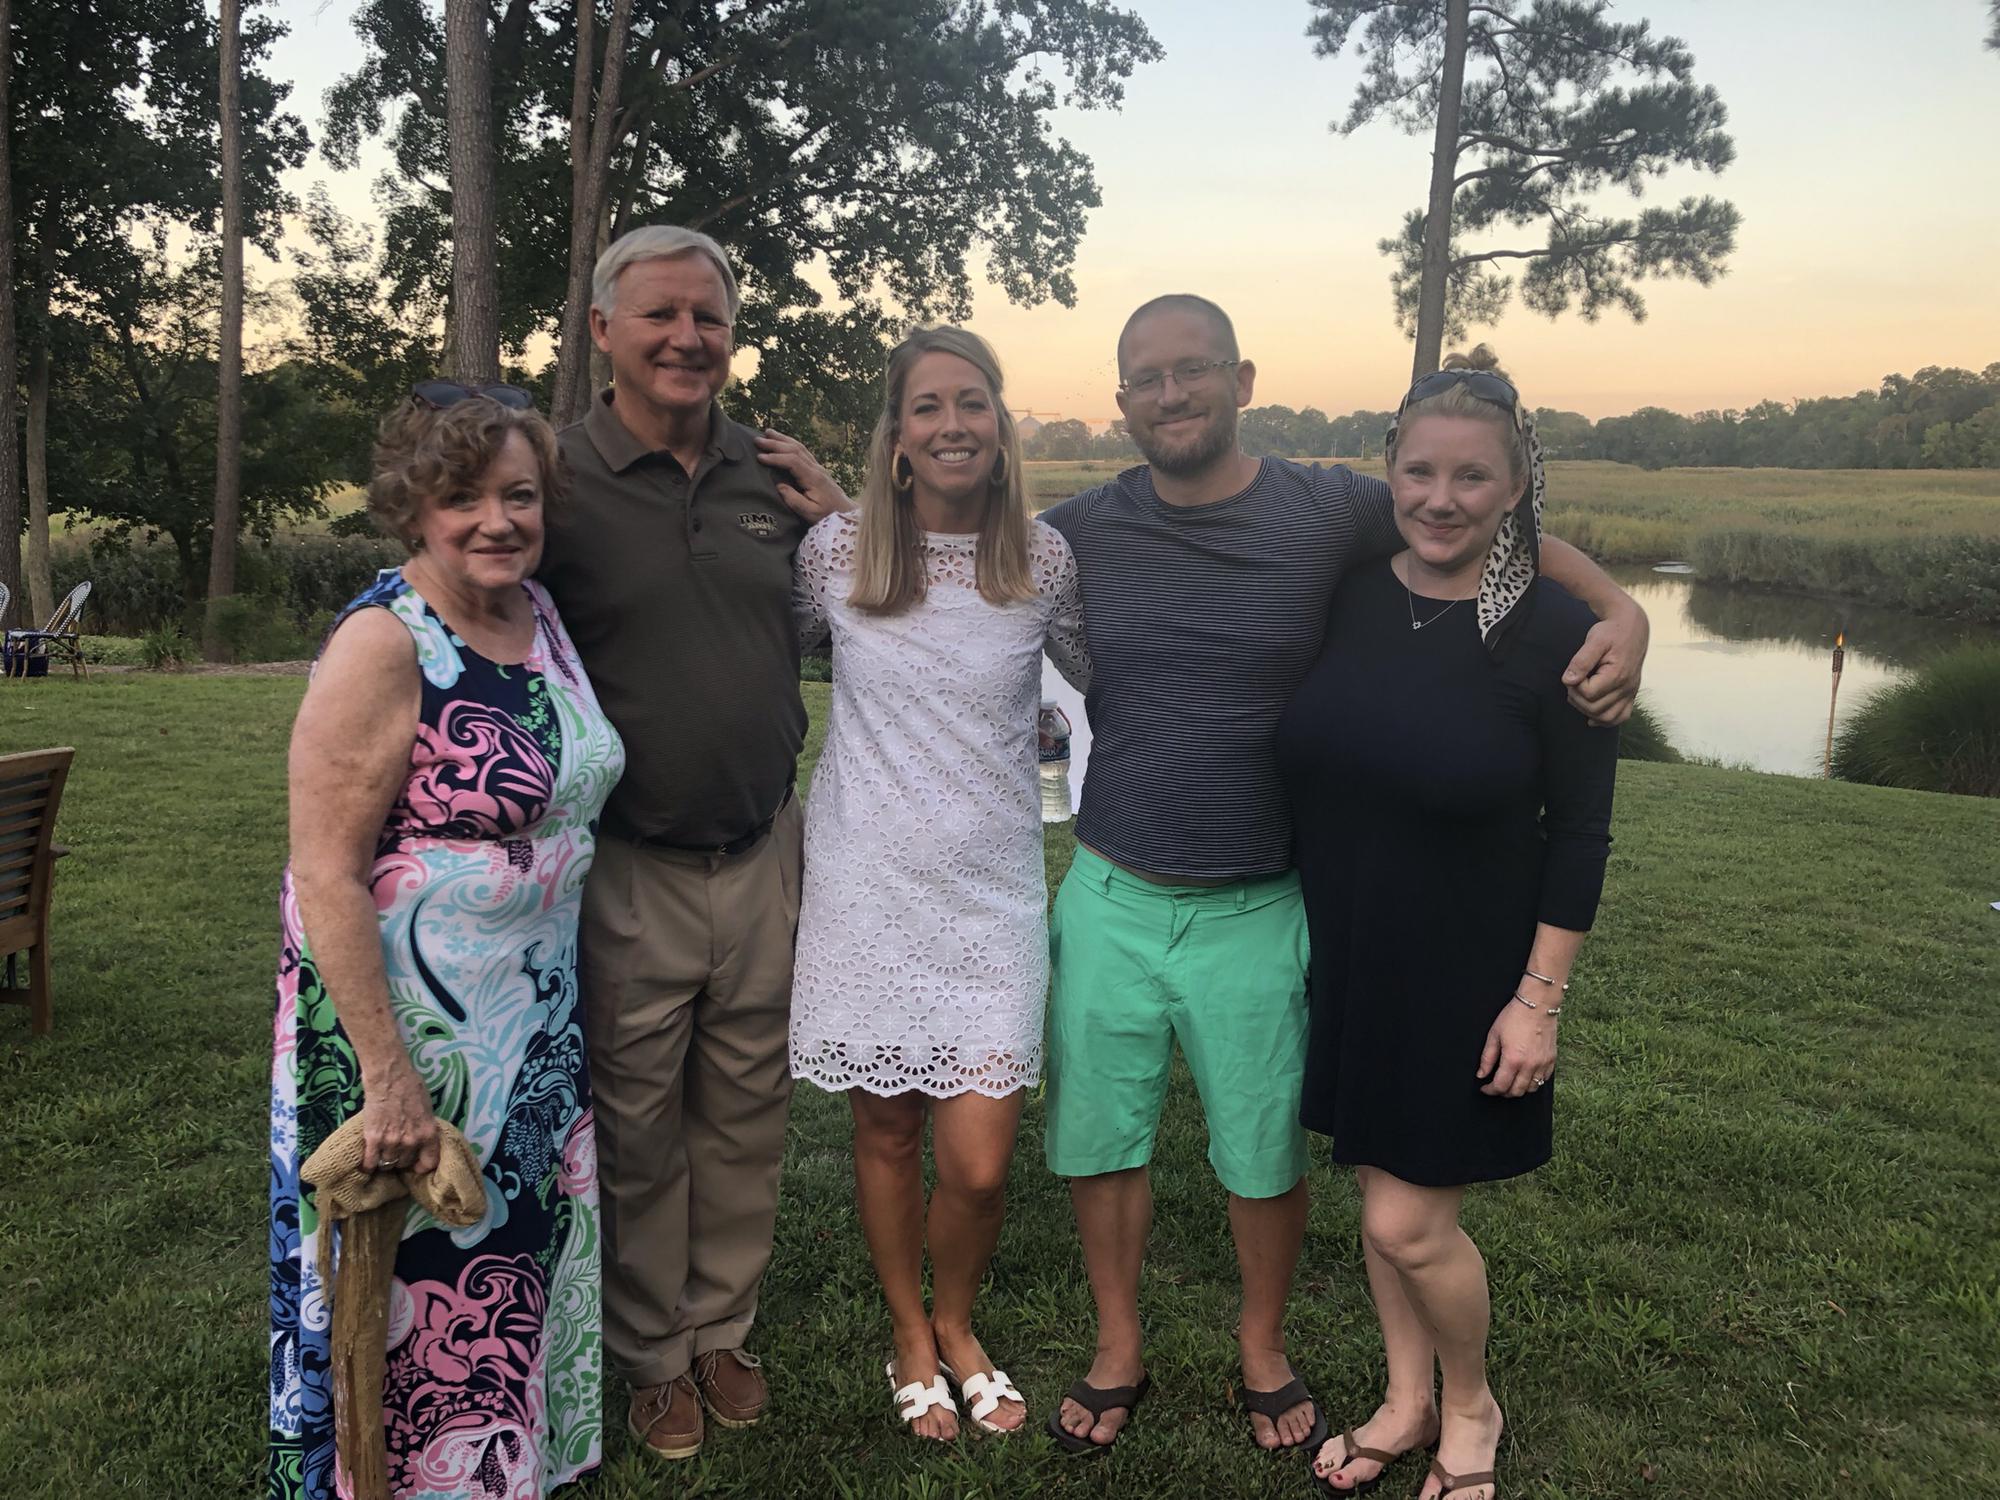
(1971, 444)
(1652, 437)
(1115, 442)
(1266, 430)
(894, 145)
(1065, 441)
(1359, 434)
(1312, 434)
(1555, 104)
(133, 420)
(115, 146)
(358, 356)
(819, 378)
(1564, 434)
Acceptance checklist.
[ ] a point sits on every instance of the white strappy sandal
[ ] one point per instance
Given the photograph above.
(985, 1393)
(916, 1398)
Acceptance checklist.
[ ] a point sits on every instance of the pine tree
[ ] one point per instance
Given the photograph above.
(1555, 103)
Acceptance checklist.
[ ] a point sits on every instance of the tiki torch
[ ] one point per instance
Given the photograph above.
(1839, 660)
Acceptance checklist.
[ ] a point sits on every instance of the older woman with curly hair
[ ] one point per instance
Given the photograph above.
(447, 768)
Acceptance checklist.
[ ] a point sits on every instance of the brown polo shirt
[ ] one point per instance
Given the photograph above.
(678, 594)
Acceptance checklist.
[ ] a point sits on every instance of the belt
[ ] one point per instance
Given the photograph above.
(731, 846)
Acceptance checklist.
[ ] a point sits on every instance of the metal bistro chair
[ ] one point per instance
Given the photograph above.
(60, 639)
(31, 787)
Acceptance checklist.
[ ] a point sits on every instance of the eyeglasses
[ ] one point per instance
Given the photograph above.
(1483, 384)
(1188, 374)
(438, 394)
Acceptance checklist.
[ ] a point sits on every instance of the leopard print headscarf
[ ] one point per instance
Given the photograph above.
(1516, 554)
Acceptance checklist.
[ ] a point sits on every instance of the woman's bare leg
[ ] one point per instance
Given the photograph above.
(1415, 1232)
(972, 1141)
(889, 1194)
(1408, 1415)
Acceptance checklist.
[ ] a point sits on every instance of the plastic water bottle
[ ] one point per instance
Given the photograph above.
(1052, 754)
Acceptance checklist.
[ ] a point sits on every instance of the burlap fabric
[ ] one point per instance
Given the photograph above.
(371, 1207)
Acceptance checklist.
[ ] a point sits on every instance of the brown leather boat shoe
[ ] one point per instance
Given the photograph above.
(732, 1384)
(667, 1419)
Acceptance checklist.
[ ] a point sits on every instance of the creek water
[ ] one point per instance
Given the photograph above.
(1737, 674)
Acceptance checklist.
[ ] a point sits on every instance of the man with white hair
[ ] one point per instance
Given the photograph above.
(673, 572)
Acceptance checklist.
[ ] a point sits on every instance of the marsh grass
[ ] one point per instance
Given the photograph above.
(1936, 731)
(1924, 540)
(1644, 736)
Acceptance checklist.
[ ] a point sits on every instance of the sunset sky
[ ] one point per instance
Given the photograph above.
(1866, 175)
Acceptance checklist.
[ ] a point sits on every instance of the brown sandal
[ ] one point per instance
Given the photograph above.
(1381, 1456)
(1460, 1481)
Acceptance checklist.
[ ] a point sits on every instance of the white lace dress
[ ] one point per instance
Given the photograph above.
(923, 952)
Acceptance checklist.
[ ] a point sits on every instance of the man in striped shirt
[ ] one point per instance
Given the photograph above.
(1206, 579)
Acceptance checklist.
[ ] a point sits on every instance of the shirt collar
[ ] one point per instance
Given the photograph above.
(621, 449)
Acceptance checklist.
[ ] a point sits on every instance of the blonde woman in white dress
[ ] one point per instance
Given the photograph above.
(922, 966)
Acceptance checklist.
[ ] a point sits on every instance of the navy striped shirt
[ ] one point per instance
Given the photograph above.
(1201, 622)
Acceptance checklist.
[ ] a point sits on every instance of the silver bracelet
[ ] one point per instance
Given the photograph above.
(1552, 1011)
(1543, 977)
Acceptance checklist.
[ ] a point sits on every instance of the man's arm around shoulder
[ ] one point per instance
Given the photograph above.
(1603, 676)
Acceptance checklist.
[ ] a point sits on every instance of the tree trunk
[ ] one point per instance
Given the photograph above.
(591, 140)
(41, 585)
(229, 359)
(10, 350)
(600, 362)
(1437, 218)
(474, 351)
(41, 578)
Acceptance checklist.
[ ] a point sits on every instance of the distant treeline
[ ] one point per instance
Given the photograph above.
(1939, 418)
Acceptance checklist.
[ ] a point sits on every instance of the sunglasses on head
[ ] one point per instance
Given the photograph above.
(438, 394)
(1483, 384)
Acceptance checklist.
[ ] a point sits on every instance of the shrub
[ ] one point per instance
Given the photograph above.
(302, 576)
(111, 651)
(164, 647)
(132, 588)
(1644, 736)
(1937, 731)
(258, 629)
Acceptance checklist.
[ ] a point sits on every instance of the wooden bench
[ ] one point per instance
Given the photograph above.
(31, 787)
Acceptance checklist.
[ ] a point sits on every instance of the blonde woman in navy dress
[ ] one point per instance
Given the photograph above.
(1451, 817)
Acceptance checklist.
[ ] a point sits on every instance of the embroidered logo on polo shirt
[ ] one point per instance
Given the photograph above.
(758, 524)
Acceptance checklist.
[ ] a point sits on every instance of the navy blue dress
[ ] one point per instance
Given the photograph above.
(1443, 803)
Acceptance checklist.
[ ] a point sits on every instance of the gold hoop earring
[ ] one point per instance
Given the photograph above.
(1000, 467)
(901, 474)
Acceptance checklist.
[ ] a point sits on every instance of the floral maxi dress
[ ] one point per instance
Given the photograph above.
(493, 1377)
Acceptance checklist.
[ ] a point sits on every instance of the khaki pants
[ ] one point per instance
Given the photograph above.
(686, 967)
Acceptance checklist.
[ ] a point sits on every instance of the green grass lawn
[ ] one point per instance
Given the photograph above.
(1764, 1262)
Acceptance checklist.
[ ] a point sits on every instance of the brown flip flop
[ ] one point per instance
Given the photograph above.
(1097, 1400)
(1272, 1405)
(1382, 1456)
(1460, 1481)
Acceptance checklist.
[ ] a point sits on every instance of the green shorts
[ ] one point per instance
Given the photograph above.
(1137, 965)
